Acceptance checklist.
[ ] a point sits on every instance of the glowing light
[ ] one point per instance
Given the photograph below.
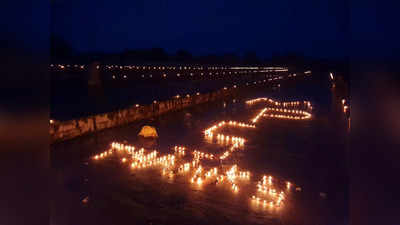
(232, 176)
(345, 108)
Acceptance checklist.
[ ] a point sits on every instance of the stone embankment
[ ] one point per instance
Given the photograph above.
(65, 130)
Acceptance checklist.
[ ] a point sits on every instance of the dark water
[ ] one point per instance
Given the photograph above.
(311, 154)
(73, 98)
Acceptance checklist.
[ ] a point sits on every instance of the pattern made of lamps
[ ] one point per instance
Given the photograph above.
(269, 192)
(201, 176)
(286, 110)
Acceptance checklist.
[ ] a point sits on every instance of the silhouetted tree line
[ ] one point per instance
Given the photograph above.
(62, 52)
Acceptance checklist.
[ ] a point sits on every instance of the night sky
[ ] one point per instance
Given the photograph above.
(313, 28)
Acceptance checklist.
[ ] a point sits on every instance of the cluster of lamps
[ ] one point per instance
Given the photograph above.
(200, 176)
(202, 155)
(221, 139)
(266, 191)
(287, 108)
(62, 66)
(180, 150)
(269, 195)
(226, 139)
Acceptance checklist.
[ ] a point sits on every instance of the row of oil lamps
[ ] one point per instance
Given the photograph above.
(278, 69)
(61, 66)
(255, 119)
(256, 100)
(232, 139)
(280, 116)
(164, 75)
(202, 155)
(284, 104)
(198, 93)
(288, 111)
(209, 131)
(293, 114)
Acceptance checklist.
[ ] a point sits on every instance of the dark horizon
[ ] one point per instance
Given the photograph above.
(62, 52)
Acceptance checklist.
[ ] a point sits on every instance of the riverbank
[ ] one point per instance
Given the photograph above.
(66, 130)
